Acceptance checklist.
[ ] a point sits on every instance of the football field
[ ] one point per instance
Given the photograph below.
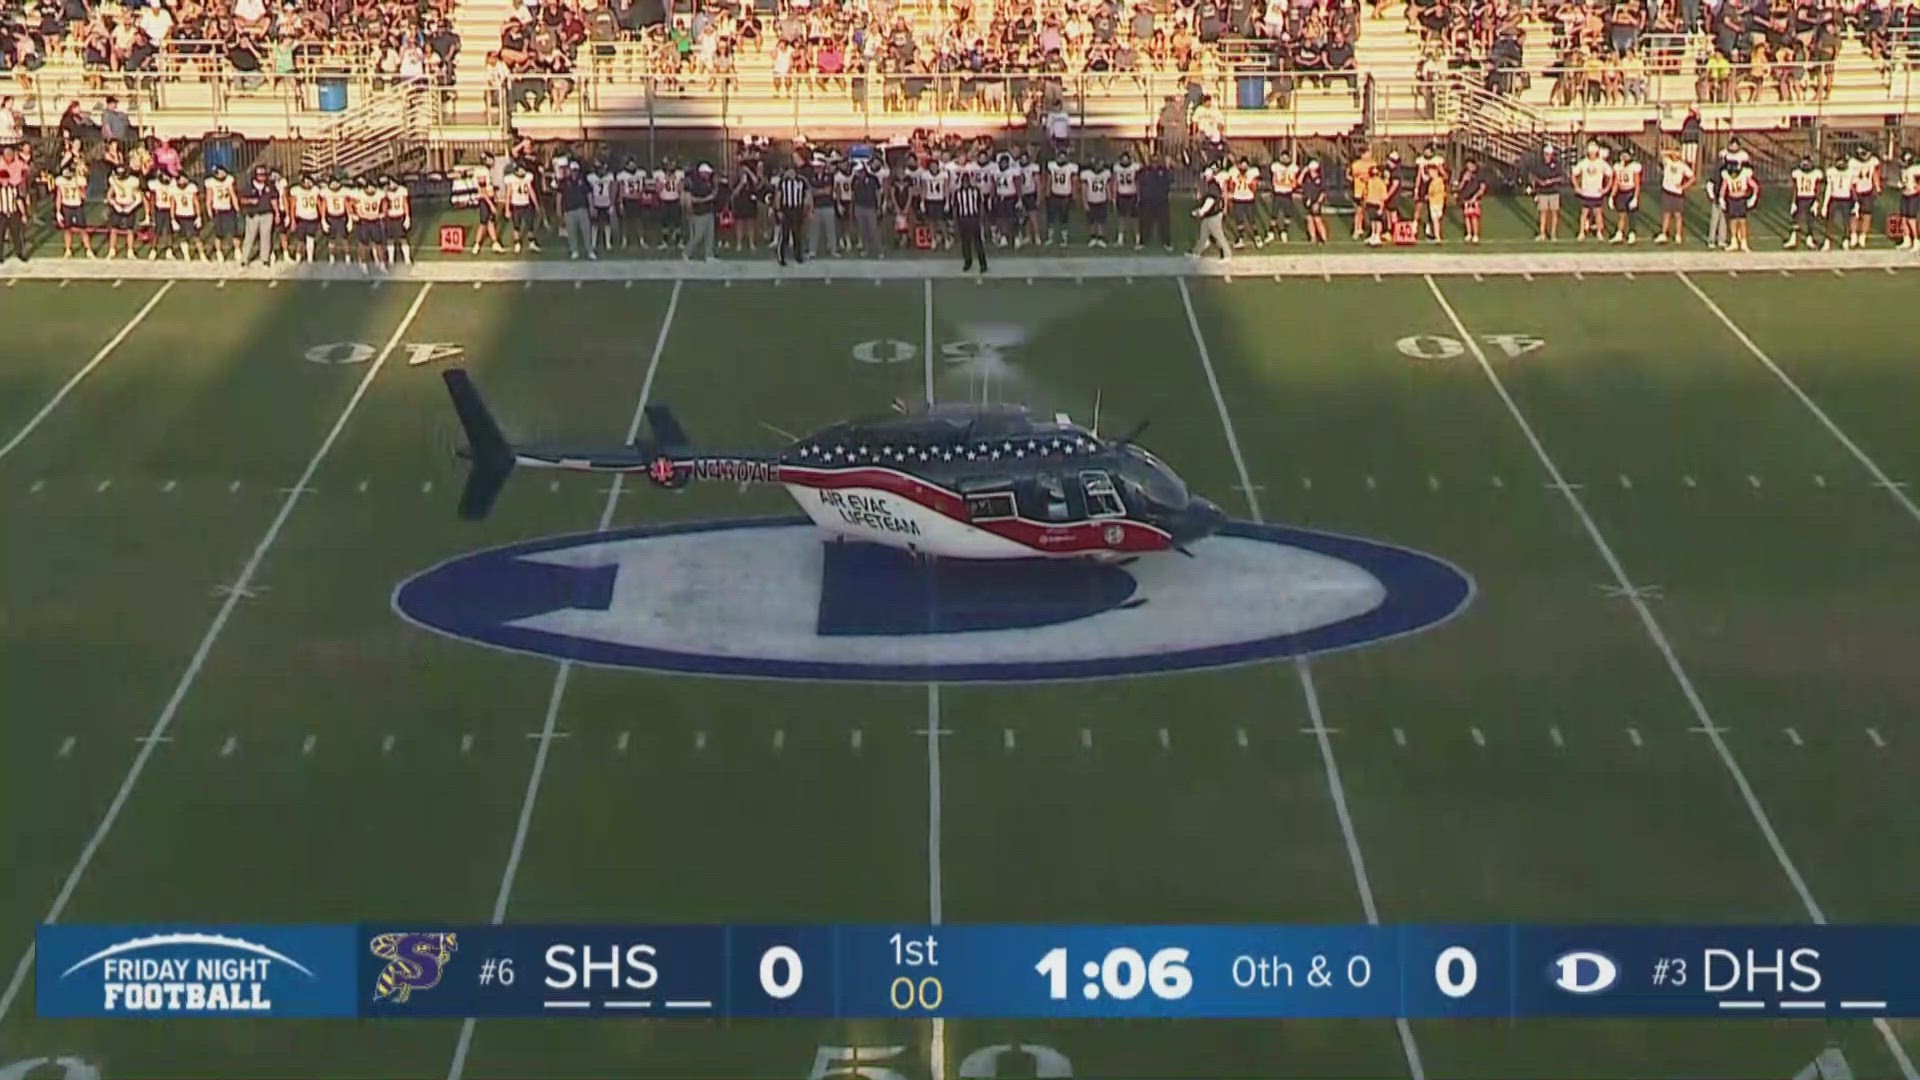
(1684, 690)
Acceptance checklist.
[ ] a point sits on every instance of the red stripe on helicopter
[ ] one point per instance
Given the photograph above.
(1076, 538)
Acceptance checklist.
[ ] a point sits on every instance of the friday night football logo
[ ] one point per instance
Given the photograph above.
(415, 962)
(186, 972)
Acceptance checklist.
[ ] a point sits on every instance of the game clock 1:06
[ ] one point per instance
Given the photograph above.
(1122, 974)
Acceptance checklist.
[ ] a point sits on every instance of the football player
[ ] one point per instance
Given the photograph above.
(70, 211)
(1096, 192)
(399, 224)
(1909, 201)
(1126, 199)
(1062, 179)
(1628, 176)
(1807, 180)
(223, 206)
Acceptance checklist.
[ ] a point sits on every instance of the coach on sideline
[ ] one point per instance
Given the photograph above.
(965, 205)
(257, 198)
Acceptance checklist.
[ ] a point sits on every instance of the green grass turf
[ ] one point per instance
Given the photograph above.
(1786, 582)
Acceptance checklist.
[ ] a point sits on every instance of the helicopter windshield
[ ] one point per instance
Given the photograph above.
(1156, 481)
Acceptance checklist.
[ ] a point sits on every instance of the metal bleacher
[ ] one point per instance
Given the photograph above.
(352, 118)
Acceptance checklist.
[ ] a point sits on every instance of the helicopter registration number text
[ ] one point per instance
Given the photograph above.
(869, 512)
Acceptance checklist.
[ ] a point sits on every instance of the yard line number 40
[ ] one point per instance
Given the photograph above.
(1440, 347)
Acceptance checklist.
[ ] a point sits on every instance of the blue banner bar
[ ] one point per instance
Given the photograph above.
(975, 972)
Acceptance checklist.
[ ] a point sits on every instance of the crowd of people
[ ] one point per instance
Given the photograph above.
(1015, 58)
(149, 206)
(1836, 202)
(906, 195)
(1604, 51)
(260, 41)
(821, 202)
(874, 201)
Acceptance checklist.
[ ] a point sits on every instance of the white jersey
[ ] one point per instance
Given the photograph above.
(1030, 178)
(668, 184)
(1866, 176)
(600, 191)
(1126, 179)
(1099, 185)
(1627, 177)
(1592, 177)
(1675, 175)
(631, 182)
(1006, 180)
(1840, 183)
(1060, 178)
(933, 184)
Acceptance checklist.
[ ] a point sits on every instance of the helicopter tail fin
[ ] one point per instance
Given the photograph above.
(487, 448)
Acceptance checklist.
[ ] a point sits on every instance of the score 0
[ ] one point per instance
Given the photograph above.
(781, 972)
(1456, 971)
(906, 993)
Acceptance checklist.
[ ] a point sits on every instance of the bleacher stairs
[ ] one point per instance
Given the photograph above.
(384, 132)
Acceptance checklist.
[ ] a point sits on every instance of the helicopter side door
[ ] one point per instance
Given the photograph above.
(1047, 498)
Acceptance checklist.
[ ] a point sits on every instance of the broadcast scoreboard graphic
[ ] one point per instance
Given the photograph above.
(978, 972)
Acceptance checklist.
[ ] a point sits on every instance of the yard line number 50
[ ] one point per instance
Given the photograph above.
(870, 1062)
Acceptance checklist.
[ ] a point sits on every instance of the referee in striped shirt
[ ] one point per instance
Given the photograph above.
(965, 206)
(791, 195)
(13, 219)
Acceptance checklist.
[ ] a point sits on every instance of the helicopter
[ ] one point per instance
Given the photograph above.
(950, 480)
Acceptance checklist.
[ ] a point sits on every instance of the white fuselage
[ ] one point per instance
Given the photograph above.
(881, 517)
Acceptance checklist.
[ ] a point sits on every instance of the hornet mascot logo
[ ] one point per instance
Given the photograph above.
(414, 962)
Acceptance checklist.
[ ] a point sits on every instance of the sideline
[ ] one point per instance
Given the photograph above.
(1306, 263)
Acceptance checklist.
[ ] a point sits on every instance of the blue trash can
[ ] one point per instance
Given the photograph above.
(333, 95)
(219, 152)
(1252, 90)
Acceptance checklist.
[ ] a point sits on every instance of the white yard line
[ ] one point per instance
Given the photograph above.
(67, 387)
(1873, 468)
(937, 1041)
(241, 588)
(1659, 638)
(1335, 787)
(559, 692)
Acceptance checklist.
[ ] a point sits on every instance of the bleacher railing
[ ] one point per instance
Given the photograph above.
(616, 93)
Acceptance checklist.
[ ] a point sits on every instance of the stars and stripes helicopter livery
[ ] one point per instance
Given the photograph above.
(946, 480)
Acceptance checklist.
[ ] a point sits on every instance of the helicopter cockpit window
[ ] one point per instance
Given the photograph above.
(1102, 499)
(1053, 497)
(1155, 480)
(985, 505)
